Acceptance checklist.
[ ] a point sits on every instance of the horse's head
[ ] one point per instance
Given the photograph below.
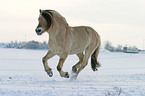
(45, 21)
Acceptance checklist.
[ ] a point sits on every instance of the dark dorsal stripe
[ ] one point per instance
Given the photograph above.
(48, 19)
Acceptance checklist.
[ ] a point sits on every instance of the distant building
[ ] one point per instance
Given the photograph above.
(130, 50)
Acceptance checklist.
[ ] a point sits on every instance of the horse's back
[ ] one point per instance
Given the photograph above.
(84, 33)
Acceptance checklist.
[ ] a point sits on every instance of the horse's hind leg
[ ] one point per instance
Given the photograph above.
(60, 65)
(44, 60)
(75, 67)
(81, 66)
(88, 53)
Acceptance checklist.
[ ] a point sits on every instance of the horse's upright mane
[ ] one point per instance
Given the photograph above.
(49, 11)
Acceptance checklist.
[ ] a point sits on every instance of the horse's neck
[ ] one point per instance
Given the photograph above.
(57, 35)
(59, 32)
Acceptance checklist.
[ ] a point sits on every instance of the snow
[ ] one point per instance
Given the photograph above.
(22, 74)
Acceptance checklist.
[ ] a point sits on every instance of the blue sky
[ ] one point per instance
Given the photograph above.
(119, 21)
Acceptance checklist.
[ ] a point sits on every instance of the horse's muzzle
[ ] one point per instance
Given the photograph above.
(39, 31)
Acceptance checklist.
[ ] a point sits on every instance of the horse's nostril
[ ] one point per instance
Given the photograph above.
(38, 30)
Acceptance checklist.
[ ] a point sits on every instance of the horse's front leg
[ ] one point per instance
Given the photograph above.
(44, 60)
(60, 65)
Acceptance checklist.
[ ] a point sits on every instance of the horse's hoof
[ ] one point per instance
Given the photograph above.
(50, 74)
(66, 75)
(74, 69)
(95, 69)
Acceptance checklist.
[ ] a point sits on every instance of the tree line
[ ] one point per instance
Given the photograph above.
(108, 46)
(27, 45)
(38, 45)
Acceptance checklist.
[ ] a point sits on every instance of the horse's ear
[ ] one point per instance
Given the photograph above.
(40, 10)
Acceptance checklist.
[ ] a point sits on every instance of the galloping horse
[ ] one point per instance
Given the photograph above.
(65, 40)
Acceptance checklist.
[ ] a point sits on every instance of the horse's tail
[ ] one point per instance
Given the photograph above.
(94, 63)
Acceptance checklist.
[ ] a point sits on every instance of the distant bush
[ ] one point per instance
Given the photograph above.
(36, 45)
(108, 46)
(32, 45)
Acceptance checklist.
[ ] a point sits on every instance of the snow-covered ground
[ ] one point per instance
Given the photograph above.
(22, 74)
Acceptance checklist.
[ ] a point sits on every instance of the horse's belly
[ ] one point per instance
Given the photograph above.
(76, 50)
(56, 51)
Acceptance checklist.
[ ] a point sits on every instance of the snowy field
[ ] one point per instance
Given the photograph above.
(22, 74)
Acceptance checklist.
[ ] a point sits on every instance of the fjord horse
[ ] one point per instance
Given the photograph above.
(65, 40)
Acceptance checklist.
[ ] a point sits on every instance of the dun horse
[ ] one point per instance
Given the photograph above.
(65, 40)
